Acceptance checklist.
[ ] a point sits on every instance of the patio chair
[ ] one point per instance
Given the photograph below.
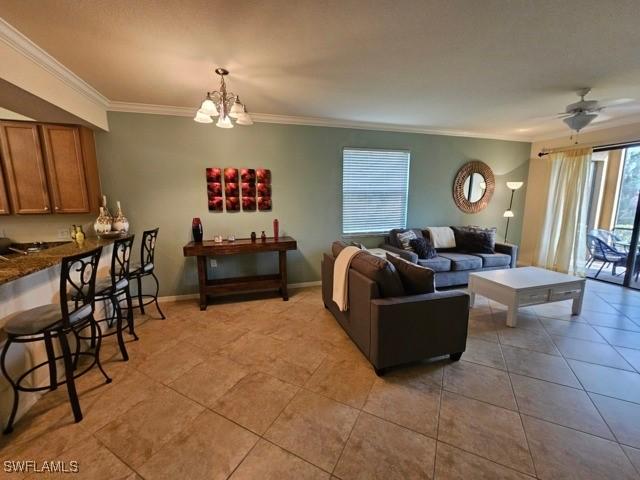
(601, 251)
(609, 238)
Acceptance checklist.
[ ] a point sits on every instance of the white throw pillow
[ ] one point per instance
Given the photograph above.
(405, 238)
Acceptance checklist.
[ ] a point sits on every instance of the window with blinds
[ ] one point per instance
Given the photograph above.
(375, 184)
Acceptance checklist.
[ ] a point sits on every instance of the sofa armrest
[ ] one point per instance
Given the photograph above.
(508, 249)
(406, 329)
(405, 254)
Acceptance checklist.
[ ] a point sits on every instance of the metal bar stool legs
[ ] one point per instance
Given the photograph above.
(3, 364)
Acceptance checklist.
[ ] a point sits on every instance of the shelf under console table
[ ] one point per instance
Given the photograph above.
(241, 246)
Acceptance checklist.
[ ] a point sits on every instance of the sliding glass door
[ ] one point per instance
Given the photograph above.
(614, 217)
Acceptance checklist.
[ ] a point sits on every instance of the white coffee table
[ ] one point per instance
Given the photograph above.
(520, 287)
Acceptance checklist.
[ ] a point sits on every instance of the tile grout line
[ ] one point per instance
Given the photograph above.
(524, 430)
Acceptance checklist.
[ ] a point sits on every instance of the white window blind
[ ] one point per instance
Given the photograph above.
(374, 190)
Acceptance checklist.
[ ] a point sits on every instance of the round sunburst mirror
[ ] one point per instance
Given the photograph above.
(473, 187)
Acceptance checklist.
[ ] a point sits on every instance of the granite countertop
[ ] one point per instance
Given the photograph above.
(22, 265)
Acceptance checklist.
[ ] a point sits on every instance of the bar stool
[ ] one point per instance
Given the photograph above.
(49, 322)
(111, 289)
(146, 268)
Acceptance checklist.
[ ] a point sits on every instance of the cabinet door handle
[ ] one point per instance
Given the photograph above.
(57, 207)
(46, 208)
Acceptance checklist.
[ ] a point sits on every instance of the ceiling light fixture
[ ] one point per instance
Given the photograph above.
(224, 105)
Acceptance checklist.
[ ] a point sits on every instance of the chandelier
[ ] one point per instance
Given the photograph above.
(224, 105)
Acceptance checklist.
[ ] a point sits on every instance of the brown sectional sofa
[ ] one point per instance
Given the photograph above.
(391, 328)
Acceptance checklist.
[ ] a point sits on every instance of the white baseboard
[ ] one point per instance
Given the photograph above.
(188, 296)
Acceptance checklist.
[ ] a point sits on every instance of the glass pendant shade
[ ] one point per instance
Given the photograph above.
(202, 118)
(224, 122)
(514, 185)
(208, 107)
(237, 109)
(244, 119)
(508, 214)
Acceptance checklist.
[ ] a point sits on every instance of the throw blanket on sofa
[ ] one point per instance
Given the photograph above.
(442, 237)
(341, 277)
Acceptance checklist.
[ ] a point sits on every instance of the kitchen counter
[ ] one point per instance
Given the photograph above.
(23, 265)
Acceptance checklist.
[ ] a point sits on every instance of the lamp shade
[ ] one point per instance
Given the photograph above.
(237, 109)
(224, 122)
(580, 120)
(202, 118)
(508, 214)
(208, 107)
(515, 185)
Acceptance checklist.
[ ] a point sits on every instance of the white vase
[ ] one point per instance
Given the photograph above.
(120, 222)
(102, 224)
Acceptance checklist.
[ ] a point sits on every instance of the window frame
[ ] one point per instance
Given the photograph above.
(370, 233)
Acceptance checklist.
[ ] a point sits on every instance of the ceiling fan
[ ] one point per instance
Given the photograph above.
(580, 114)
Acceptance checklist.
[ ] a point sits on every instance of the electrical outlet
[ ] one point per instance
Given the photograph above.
(213, 263)
(63, 233)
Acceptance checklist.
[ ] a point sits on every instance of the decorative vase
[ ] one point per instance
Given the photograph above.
(107, 213)
(263, 237)
(79, 236)
(253, 236)
(102, 224)
(276, 229)
(196, 229)
(120, 222)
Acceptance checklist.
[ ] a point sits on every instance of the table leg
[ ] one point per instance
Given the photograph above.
(512, 315)
(202, 281)
(282, 257)
(576, 307)
(472, 299)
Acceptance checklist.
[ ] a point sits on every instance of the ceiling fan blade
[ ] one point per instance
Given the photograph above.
(616, 102)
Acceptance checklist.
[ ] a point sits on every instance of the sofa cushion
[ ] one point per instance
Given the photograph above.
(423, 248)
(376, 269)
(494, 259)
(437, 263)
(462, 261)
(393, 235)
(415, 279)
(337, 247)
(475, 239)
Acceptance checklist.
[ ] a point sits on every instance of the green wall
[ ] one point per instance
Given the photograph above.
(155, 166)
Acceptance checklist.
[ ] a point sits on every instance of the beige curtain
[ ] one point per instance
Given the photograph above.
(563, 238)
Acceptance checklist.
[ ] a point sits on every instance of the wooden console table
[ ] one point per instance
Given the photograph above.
(241, 246)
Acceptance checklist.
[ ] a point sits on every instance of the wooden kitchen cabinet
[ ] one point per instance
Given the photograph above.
(4, 199)
(49, 168)
(65, 169)
(26, 180)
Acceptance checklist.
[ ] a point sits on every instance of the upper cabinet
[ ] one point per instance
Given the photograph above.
(4, 199)
(22, 159)
(49, 168)
(65, 169)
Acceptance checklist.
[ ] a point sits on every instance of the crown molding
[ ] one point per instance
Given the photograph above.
(24, 46)
(310, 121)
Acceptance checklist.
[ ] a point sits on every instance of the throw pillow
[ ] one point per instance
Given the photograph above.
(475, 239)
(415, 278)
(359, 245)
(380, 271)
(405, 239)
(423, 248)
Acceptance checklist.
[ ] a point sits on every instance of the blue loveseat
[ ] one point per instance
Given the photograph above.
(452, 266)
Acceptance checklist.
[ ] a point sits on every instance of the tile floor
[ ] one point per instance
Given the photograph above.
(263, 389)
